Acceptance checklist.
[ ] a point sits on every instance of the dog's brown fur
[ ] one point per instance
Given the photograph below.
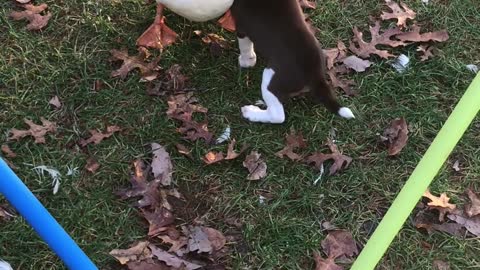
(279, 33)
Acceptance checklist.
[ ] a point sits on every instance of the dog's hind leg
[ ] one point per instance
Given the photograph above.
(274, 113)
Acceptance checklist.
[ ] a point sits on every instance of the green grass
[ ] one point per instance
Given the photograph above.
(73, 51)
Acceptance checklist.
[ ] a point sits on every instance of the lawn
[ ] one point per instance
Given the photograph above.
(72, 52)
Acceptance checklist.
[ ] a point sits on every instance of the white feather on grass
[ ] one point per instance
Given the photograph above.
(54, 174)
(225, 136)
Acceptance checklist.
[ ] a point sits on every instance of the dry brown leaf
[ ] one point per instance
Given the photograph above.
(415, 36)
(182, 106)
(158, 220)
(158, 35)
(471, 224)
(396, 136)
(173, 260)
(366, 49)
(335, 55)
(148, 264)
(255, 165)
(194, 131)
(440, 265)
(136, 253)
(147, 190)
(162, 167)
(92, 165)
(216, 42)
(339, 243)
(55, 101)
(325, 264)
(356, 63)
(97, 137)
(205, 239)
(32, 14)
(7, 151)
(227, 22)
(213, 157)
(308, 4)
(293, 141)
(182, 149)
(473, 208)
(428, 221)
(338, 82)
(177, 244)
(442, 201)
(427, 52)
(216, 238)
(340, 161)
(36, 131)
(231, 154)
(401, 14)
(148, 71)
(173, 81)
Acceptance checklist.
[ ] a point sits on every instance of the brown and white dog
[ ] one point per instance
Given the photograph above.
(296, 62)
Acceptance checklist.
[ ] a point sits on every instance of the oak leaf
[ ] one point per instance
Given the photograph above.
(365, 49)
(173, 81)
(339, 243)
(356, 63)
(7, 151)
(173, 260)
(325, 264)
(36, 131)
(396, 136)
(148, 71)
(340, 161)
(293, 141)
(97, 137)
(473, 208)
(255, 165)
(32, 14)
(137, 252)
(161, 164)
(402, 14)
(338, 82)
(335, 55)
(415, 36)
(158, 220)
(426, 51)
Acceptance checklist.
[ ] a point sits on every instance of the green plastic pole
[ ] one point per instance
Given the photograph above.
(448, 137)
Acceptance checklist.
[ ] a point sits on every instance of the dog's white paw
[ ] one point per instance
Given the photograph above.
(247, 61)
(252, 113)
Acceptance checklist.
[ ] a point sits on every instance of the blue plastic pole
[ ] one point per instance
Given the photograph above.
(41, 220)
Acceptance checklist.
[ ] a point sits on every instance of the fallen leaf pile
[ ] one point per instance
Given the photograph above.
(338, 245)
(32, 14)
(170, 245)
(441, 215)
(339, 63)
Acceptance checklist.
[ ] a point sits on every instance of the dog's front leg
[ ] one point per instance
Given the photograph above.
(247, 57)
(274, 113)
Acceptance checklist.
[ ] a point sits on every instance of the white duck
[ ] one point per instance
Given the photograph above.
(198, 10)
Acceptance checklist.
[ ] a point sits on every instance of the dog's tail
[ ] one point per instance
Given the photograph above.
(323, 93)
